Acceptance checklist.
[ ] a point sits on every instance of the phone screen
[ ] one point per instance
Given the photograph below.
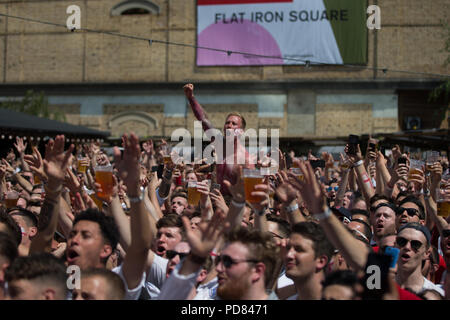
(372, 147)
(393, 253)
(401, 160)
(160, 171)
(353, 141)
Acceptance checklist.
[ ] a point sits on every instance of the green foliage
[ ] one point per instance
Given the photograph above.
(35, 104)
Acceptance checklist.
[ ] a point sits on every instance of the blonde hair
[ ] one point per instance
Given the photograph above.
(237, 114)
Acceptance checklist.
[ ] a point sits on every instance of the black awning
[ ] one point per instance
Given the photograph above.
(17, 123)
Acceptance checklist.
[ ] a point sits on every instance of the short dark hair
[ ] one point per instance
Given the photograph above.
(179, 194)
(8, 247)
(346, 278)
(170, 220)
(283, 225)
(43, 266)
(116, 289)
(260, 247)
(108, 227)
(401, 194)
(30, 218)
(314, 232)
(377, 197)
(359, 211)
(12, 228)
(417, 202)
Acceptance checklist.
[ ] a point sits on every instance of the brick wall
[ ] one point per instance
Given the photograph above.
(410, 39)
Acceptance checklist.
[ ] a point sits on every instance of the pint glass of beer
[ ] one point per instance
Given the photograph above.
(37, 180)
(97, 201)
(11, 199)
(415, 167)
(193, 194)
(252, 177)
(432, 157)
(104, 176)
(82, 164)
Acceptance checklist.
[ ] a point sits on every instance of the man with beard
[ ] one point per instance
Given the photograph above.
(244, 267)
(413, 240)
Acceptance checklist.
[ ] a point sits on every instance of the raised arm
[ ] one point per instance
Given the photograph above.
(345, 166)
(55, 164)
(141, 232)
(20, 147)
(197, 109)
(237, 205)
(383, 176)
(362, 176)
(202, 242)
(36, 164)
(288, 196)
(21, 180)
(353, 250)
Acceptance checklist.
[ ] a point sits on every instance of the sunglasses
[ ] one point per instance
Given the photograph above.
(331, 188)
(446, 233)
(172, 254)
(228, 261)
(410, 211)
(415, 244)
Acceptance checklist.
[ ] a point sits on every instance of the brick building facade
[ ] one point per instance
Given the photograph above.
(116, 84)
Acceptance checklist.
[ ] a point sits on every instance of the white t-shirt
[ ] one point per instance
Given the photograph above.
(130, 294)
(284, 281)
(207, 291)
(428, 285)
(156, 276)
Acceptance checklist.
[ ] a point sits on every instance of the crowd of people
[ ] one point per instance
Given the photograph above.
(79, 223)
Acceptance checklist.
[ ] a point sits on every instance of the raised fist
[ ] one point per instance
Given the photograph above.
(189, 90)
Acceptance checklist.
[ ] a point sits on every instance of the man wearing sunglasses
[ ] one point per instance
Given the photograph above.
(245, 266)
(409, 210)
(413, 240)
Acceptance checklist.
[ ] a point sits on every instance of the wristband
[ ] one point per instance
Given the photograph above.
(136, 199)
(324, 215)
(238, 204)
(292, 208)
(358, 163)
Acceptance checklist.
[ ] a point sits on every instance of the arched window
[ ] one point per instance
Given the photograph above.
(134, 7)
